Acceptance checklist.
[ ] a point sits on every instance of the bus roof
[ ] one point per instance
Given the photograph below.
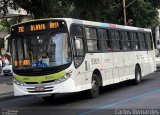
(93, 23)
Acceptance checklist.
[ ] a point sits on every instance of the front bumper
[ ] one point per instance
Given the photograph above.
(49, 88)
(7, 72)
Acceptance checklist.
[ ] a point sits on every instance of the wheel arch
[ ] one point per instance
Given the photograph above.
(138, 65)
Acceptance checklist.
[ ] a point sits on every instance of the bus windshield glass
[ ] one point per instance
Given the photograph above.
(47, 49)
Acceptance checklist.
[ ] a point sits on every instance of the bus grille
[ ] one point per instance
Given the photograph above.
(39, 91)
(41, 82)
(46, 89)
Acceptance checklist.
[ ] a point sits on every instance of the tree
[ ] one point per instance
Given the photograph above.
(4, 4)
(39, 8)
(142, 13)
(2, 28)
(155, 3)
(95, 10)
(46, 8)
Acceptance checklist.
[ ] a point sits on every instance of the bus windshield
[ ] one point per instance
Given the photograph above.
(41, 51)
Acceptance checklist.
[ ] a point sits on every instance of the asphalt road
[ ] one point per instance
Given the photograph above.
(5, 78)
(118, 99)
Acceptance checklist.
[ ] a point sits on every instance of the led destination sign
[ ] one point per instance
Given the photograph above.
(37, 26)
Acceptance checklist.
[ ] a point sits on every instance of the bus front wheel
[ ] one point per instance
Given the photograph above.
(49, 99)
(94, 91)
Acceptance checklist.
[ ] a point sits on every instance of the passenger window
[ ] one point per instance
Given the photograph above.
(103, 35)
(142, 41)
(134, 41)
(116, 40)
(149, 41)
(93, 43)
(126, 41)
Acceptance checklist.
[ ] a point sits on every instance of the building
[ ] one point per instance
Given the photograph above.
(22, 16)
(2, 36)
(13, 13)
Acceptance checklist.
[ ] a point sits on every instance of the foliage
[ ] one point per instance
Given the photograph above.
(6, 23)
(46, 8)
(92, 9)
(4, 4)
(155, 3)
(2, 28)
(142, 12)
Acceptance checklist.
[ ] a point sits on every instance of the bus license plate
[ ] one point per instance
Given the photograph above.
(39, 88)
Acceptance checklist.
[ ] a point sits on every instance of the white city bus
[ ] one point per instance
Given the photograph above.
(65, 55)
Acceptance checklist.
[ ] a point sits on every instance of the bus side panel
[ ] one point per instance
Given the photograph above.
(85, 71)
(129, 66)
(137, 59)
(107, 63)
(144, 62)
(118, 66)
(151, 61)
(80, 77)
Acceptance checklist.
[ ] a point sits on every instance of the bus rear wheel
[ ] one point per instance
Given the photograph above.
(94, 91)
(138, 75)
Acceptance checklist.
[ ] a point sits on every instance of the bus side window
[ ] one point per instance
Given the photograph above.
(126, 41)
(103, 35)
(149, 41)
(134, 41)
(119, 38)
(142, 41)
(158, 42)
(93, 42)
(115, 40)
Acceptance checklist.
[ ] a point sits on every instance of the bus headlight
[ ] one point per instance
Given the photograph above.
(64, 78)
(18, 82)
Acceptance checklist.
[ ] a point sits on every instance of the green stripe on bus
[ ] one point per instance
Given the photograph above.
(40, 79)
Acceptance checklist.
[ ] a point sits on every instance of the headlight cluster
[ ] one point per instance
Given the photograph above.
(18, 82)
(64, 78)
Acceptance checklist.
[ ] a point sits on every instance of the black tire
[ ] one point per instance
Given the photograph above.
(94, 91)
(49, 99)
(138, 76)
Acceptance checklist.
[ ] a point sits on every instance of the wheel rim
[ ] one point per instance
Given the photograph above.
(138, 77)
(95, 89)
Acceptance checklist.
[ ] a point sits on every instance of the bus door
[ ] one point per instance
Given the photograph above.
(77, 36)
(144, 53)
(151, 54)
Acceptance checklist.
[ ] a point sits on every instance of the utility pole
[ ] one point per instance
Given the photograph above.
(124, 12)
